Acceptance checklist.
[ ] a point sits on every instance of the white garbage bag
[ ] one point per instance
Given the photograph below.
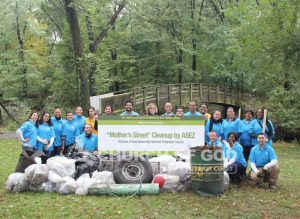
(68, 186)
(54, 177)
(62, 166)
(226, 181)
(36, 188)
(84, 182)
(17, 182)
(181, 169)
(49, 186)
(104, 177)
(37, 173)
(164, 162)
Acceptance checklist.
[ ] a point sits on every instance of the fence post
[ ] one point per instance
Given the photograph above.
(180, 94)
(200, 93)
(225, 90)
(144, 100)
(208, 90)
(231, 83)
(191, 92)
(218, 93)
(169, 93)
(157, 96)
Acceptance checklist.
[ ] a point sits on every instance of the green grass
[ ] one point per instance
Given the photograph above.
(245, 201)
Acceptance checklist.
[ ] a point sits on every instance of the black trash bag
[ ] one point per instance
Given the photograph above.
(27, 158)
(86, 162)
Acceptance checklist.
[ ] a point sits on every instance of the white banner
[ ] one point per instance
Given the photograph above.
(153, 134)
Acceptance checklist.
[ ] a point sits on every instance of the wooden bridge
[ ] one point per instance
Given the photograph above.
(177, 94)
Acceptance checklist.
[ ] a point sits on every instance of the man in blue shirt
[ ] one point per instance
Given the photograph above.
(192, 112)
(264, 164)
(129, 109)
(87, 140)
(213, 140)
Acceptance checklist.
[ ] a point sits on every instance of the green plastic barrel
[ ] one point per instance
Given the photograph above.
(207, 170)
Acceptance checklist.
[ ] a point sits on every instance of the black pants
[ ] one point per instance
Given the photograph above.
(236, 171)
(56, 151)
(246, 152)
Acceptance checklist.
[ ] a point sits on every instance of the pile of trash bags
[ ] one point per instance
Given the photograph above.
(58, 175)
(177, 174)
(76, 174)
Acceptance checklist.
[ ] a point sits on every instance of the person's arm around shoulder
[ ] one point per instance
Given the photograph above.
(251, 129)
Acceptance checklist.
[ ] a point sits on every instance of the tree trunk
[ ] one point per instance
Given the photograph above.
(180, 67)
(21, 54)
(194, 43)
(78, 51)
(94, 42)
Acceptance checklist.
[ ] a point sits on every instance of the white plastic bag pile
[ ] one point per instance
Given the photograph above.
(17, 182)
(56, 176)
(175, 173)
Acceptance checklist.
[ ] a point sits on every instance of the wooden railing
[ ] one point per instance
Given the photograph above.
(177, 94)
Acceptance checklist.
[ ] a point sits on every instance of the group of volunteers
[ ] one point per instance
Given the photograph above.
(55, 134)
(239, 139)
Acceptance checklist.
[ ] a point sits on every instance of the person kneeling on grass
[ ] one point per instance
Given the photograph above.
(234, 161)
(87, 140)
(264, 164)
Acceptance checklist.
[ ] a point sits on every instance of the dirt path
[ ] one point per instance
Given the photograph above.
(9, 134)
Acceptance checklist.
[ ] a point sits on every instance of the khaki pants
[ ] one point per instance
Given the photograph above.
(272, 175)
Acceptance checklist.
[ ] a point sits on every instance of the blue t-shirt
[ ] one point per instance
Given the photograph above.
(88, 143)
(262, 156)
(168, 114)
(132, 113)
(235, 152)
(58, 125)
(70, 131)
(219, 144)
(45, 132)
(80, 121)
(215, 127)
(192, 114)
(245, 138)
(29, 131)
(228, 126)
(256, 128)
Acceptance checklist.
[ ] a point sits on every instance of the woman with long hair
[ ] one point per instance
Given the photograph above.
(256, 127)
(151, 110)
(231, 124)
(213, 124)
(27, 133)
(92, 120)
(235, 163)
(45, 134)
(245, 138)
(79, 119)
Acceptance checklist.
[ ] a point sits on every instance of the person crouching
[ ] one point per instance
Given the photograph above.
(87, 140)
(264, 164)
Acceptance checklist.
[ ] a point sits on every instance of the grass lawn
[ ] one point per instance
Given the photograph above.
(245, 201)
